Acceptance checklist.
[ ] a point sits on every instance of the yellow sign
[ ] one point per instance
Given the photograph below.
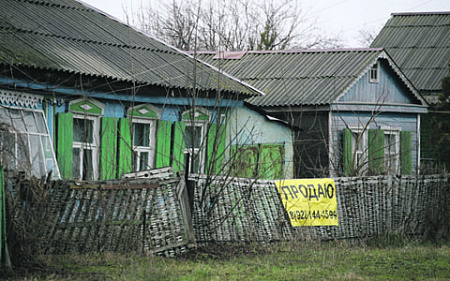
(309, 202)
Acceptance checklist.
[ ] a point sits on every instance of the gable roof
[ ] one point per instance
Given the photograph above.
(300, 77)
(420, 45)
(68, 36)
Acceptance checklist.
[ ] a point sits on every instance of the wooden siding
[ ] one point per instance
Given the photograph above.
(388, 90)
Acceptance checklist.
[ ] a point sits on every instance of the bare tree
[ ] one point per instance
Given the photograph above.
(366, 37)
(230, 25)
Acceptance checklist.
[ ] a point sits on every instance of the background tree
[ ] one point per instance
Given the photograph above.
(442, 128)
(230, 25)
(366, 37)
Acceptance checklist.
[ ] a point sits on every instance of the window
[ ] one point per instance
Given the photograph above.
(143, 119)
(143, 144)
(25, 142)
(86, 138)
(194, 138)
(85, 147)
(374, 73)
(359, 147)
(379, 151)
(391, 151)
(196, 121)
(355, 152)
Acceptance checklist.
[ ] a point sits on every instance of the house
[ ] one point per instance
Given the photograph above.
(357, 112)
(86, 97)
(420, 45)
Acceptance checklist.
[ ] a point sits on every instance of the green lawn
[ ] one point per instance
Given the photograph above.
(290, 261)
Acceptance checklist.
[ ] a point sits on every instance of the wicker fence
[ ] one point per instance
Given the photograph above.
(231, 210)
(131, 215)
(153, 215)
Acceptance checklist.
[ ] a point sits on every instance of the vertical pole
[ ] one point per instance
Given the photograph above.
(190, 187)
(187, 166)
(4, 254)
(144, 222)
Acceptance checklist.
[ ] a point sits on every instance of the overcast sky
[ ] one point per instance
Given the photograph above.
(344, 18)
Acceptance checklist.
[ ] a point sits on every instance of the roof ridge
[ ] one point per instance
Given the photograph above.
(240, 54)
(53, 4)
(301, 77)
(411, 25)
(421, 13)
(310, 50)
(130, 46)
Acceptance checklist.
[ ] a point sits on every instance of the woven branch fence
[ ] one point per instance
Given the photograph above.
(154, 215)
(147, 216)
(237, 210)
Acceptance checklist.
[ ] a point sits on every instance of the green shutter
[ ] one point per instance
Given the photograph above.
(244, 161)
(210, 151)
(347, 152)
(108, 158)
(221, 137)
(65, 144)
(125, 147)
(216, 148)
(271, 161)
(178, 146)
(405, 153)
(163, 137)
(376, 151)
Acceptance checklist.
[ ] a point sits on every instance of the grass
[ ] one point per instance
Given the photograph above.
(288, 261)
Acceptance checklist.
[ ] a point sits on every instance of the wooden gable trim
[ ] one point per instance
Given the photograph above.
(146, 111)
(395, 68)
(87, 106)
(199, 113)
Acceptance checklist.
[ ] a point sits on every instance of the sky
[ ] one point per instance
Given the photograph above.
(342, 18)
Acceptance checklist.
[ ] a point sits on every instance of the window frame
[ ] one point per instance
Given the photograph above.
(388, 154)
(201, 150)
(45, 150)
(362, 151)
(82, 146)
(374, 73)
(137, 150)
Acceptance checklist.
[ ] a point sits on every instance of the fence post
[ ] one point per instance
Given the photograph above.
(144, 226)
(4, 254)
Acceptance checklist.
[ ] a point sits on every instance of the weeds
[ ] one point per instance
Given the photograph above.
(285, 261)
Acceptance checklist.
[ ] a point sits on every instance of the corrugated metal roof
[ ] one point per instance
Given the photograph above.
(65, 35)
(297, 77)
(420, 45)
